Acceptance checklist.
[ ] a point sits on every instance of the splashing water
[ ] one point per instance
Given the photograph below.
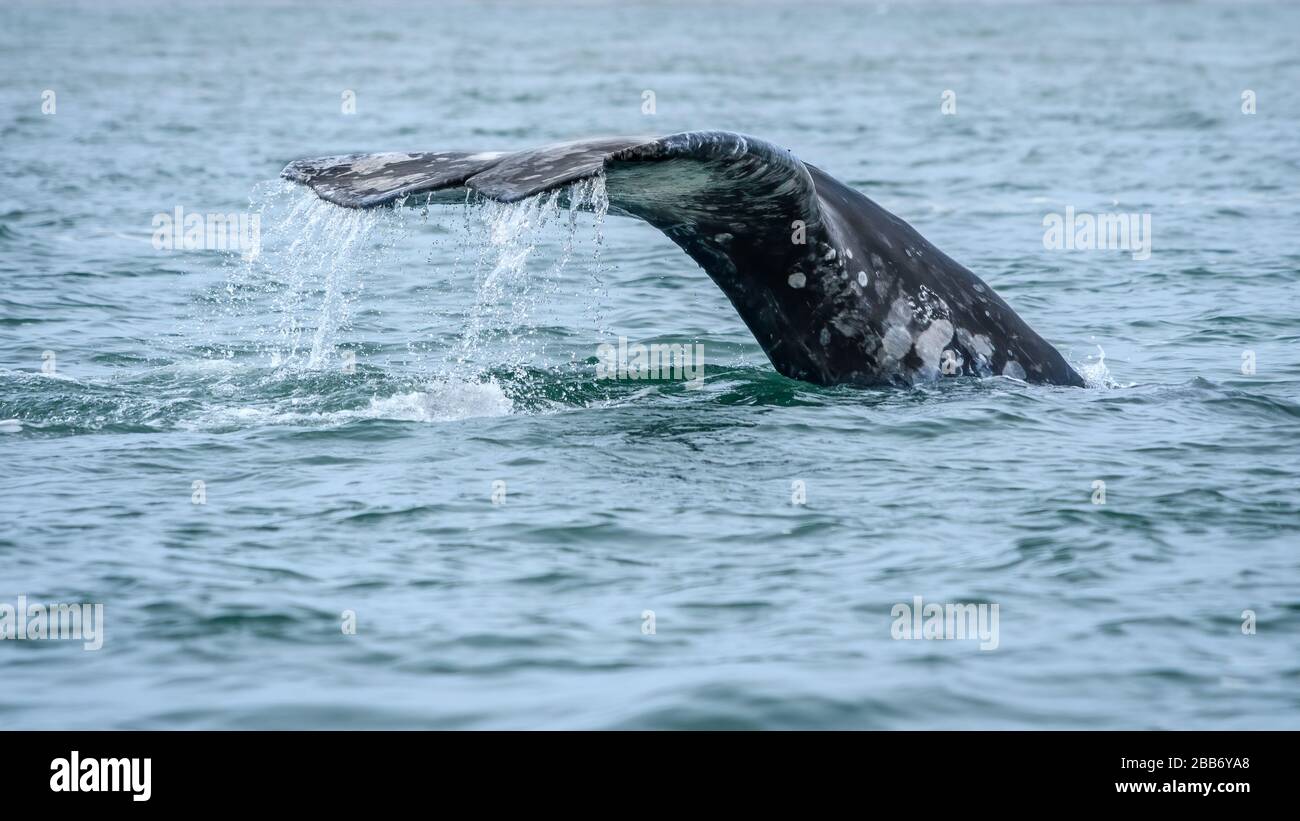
(1095, 373)
(292, 306)
(291, 303)
(508, 293)
(591, 195)
(443, 400)
(318, 276)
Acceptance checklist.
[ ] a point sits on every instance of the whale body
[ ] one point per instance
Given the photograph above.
(835, 289)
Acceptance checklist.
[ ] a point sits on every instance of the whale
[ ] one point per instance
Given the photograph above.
(835, 289)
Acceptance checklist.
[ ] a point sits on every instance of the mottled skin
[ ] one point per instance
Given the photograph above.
(834, 288)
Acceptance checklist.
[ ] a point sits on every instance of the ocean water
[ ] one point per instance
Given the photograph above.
(396, 415)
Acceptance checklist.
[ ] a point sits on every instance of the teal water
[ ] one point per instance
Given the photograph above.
(473, 332)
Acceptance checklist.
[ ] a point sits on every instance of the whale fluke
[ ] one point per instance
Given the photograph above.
(834, 288)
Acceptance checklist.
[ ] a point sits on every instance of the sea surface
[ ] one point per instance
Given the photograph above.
(367, 477)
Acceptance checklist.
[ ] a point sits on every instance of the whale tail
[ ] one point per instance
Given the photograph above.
(776, 235)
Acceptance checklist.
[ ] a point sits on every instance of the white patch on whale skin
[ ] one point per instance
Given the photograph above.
(824, 337)
(1014, 370)
(897, 342)
(374, 162)
(900, 312)
(862, 278)
(930, 345)
(486, 155)
(977, 344)
(797, 280)
(396, 183)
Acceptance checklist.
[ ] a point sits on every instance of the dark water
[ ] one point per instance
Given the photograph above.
(473, 331)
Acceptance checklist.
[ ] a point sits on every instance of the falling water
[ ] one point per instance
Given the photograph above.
(501, 323)
(293, 303)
